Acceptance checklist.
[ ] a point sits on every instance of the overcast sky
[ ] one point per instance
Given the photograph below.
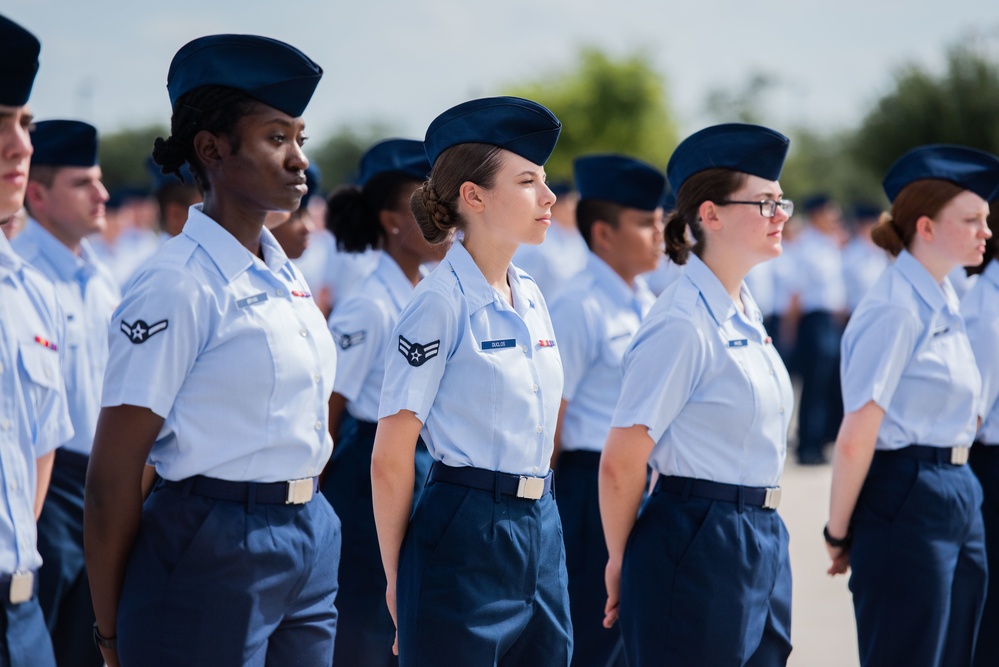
(402, 62)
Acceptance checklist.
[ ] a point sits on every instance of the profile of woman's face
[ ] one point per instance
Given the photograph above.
(264, 167)
(519, 204)
(961, 229)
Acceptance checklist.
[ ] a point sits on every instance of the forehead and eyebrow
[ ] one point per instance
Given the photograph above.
(21, 113)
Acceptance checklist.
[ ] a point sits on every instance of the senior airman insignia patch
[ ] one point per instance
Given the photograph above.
(418, 354)
(348, 340)
(140, 332)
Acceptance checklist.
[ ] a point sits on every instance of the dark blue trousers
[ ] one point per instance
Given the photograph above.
(63, 587)
(705, 582)
(985, 464)
(482, 581)
(585, 560)
(918, 560)
(821, 408)
(220, 584)
(365, 631)
(24, 639)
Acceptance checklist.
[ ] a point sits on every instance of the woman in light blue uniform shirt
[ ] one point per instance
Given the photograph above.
(374, 214)
(34, 415)
(477, 575)
(980, 309)
(220, 372)
(905, 509)
(701, 576)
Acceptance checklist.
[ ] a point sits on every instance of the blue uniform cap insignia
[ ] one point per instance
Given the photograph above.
(418, 354)
(140, 332)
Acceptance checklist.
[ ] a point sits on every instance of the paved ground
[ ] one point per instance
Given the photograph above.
(822, 626)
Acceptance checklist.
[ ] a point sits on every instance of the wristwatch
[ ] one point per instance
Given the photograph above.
(104, 642)
(837, 543)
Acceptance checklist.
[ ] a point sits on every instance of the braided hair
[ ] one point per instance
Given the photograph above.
(435, 203)
(215, 109)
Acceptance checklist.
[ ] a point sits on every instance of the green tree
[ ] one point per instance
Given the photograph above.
(959, 106)
(606, 105)
(123, 156)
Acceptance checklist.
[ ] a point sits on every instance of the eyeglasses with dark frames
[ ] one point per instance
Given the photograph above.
(768, 207)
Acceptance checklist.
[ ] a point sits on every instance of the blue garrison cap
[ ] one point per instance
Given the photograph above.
(560, 187)
(968, 168)
(64, 143)
(18, 63)
(619, 179)
(404, 156)
(269, 71)
(161, 180)
(751, 149)
(515, 124)
(815, 201)
(866, 211)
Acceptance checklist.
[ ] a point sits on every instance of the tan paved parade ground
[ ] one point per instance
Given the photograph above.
(822, 626)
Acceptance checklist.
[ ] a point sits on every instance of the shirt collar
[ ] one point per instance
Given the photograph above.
(63, 260)
(608, 279)
(936, 295)
(229, 255)
(10, 261)
(395, 281)
(478, 292)
(991, 273)
(719, 303)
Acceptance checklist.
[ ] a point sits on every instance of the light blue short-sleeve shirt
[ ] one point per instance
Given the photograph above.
(705, 380)
(906, 349)
(362, 326)
(595, 320)
(34, 416)
(88, 294)
(485, 378)
(232, 352)
(980, 309)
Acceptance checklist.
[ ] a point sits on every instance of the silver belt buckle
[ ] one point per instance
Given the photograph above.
(22, 586)
(531, 487)
(959, 455)
(772, 498)
(300, 491)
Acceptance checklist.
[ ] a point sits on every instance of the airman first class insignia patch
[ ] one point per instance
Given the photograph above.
(346, 340)
(418, 354)
(140, 332)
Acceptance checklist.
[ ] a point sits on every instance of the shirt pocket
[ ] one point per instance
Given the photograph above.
(40, 364)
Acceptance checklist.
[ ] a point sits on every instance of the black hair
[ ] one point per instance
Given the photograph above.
(215, 109)
(589, 211)
(352, 212)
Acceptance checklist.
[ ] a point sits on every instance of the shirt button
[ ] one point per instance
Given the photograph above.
(535, 470)
(13, 485)
(772, 372)
(317, 377)
(303, 333)
(524, 348)
(5, 424)
(280, 292)
(781, 410)
(540, 429)
(535, 388)
(319, 426)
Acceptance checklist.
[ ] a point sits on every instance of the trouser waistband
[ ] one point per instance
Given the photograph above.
(765, 497)
(520, 486)
(293, 492)
(956, 456)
